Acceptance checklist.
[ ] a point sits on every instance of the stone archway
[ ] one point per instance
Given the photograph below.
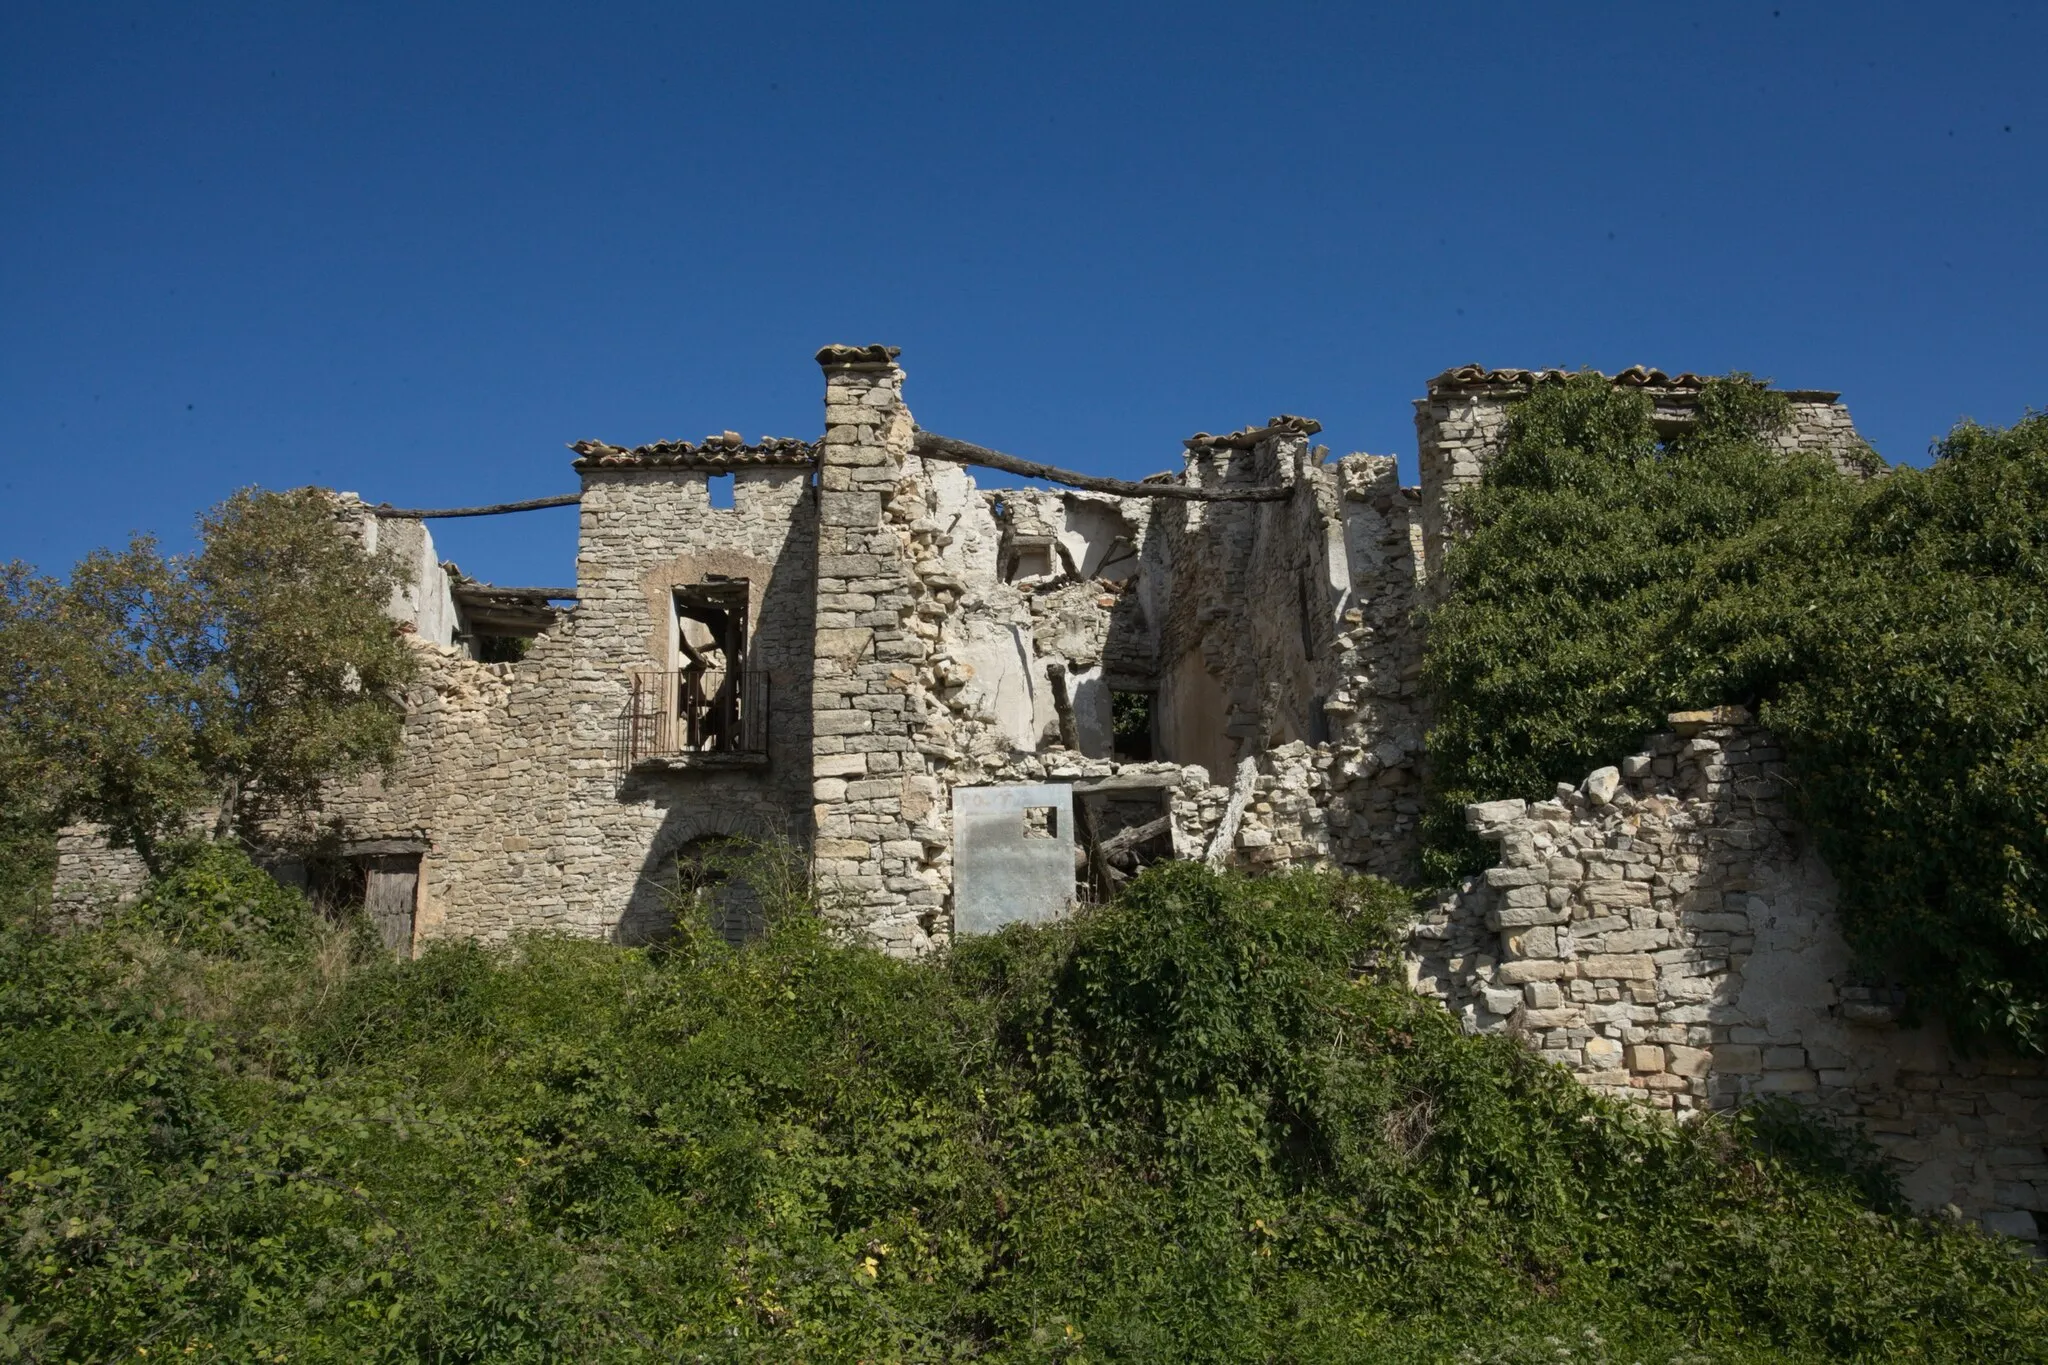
(691, 860)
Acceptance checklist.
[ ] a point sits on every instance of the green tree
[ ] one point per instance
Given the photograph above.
(1892, 631)
(149, 687)
(1559, 645)
(1898, 641)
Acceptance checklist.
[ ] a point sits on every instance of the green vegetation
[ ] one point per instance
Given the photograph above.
(1202, 1123)
(1893, 632)
(147, 688)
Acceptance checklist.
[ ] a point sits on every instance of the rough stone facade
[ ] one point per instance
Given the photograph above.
(864, 631)
(1664, 931)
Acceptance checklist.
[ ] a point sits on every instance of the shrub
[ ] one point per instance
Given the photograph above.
(1201, 1123)
(212, 898)
(1893, 632)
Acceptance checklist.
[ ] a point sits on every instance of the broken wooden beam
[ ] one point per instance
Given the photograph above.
(934, 446)
(1128, 838)
(386, 510)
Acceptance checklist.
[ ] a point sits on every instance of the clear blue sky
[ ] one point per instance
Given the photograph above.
(411, 250)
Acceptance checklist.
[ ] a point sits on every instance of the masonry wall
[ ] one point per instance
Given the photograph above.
(1664, 932)
(881, 841)
(511, 773)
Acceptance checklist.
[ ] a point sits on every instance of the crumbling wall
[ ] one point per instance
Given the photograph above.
(1821, 425)
(881, 829)
(1664, 932)
(90, 875)
(422, 599)
(1242, 596)
(1376, 711)
(511, 773)
(1458, 427)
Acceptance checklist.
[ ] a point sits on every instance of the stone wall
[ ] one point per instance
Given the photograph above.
(511, 773)
(422, 599)
(1375, 710)
(90, 875)
(1661, 930)
(1664, 932)
(881, 827)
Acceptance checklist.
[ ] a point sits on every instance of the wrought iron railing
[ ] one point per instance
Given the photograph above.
(694, 711)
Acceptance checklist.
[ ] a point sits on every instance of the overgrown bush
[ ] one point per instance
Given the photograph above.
(1893, 631)
(212, 898)
(1202, 1123)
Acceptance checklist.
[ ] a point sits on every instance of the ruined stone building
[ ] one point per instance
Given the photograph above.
(975, 705)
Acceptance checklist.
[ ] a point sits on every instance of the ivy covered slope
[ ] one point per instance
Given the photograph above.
(1203, 1124)
(1893, 632)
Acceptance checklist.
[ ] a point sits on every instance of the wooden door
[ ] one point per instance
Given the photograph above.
(390, 894)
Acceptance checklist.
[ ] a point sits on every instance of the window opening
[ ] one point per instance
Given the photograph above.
(721, 486)
(1029, 559)
(1130, 722)
(499, 649)
(709, 692)
(1041, 822)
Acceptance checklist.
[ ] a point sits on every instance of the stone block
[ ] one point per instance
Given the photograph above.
(1616, 895)
(2012, 1223)
(842, 643)
(1501, 1001)
(1789, 1083)
(1646, 1057)
(1543, 995)
(1521, 973)
(1617, 967)
(1689, 1061)
(1603, 1053)
(1527, 917)
(1484, 817)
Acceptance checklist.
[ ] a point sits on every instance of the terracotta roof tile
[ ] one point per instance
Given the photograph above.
(723, 451)
(1246, 437)
(858, 356)
(1479, 377)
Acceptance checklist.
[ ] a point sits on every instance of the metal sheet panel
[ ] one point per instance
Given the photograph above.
(1007, 864)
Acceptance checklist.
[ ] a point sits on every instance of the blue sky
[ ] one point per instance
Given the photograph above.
(411, 250)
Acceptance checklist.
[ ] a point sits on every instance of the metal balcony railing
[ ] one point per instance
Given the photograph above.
(694, 711)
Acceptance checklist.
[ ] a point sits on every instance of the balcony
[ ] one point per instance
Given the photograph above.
(695, 719)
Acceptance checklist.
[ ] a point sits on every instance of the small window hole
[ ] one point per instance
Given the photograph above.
(1041, 822)
(721, 490)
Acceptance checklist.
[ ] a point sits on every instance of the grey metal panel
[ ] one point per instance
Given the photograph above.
(1001, 874)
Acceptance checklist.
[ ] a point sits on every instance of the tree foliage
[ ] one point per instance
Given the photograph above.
(147, 687)
(1205, 1123)
(1891, 630)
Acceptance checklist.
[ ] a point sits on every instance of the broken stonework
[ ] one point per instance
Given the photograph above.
(866, 640)
(1676, 943)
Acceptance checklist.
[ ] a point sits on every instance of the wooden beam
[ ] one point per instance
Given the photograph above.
(934, 446)
(1124, 782)
(1128, 838)
(386, 510)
